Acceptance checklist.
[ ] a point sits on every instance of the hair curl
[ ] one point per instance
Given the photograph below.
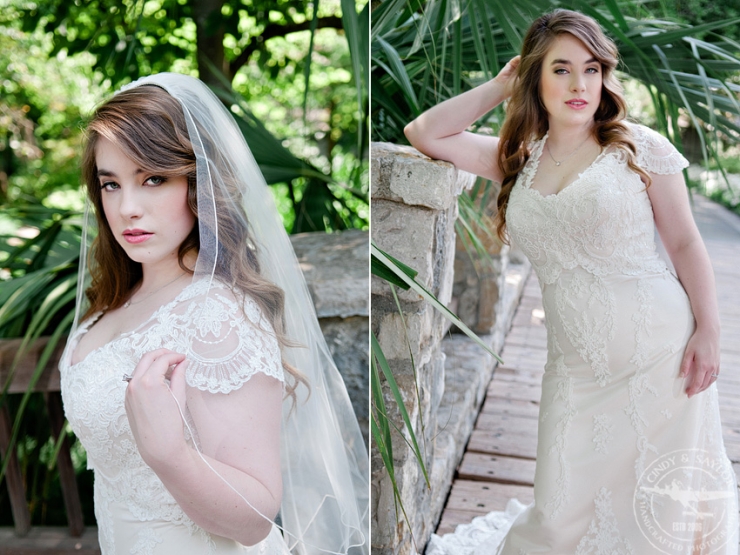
(149, 126)
(526, 116)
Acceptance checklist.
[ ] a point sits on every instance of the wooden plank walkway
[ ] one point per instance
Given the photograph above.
(499, 461)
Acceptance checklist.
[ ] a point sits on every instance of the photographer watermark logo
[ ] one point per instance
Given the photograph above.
(684, 504)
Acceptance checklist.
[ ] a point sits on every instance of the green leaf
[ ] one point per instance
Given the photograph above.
(374, 251)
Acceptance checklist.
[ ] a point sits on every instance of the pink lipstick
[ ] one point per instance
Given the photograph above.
(136, 235)
(577, 103)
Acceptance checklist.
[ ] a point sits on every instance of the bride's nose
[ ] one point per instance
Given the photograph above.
(578, 83)
(131, 206)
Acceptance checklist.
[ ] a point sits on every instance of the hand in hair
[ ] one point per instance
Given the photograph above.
(440, 132)
(507, 76)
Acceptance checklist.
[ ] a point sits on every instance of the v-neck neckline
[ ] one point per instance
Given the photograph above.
(92, 320)
(536, 164)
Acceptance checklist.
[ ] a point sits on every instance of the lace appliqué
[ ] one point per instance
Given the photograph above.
(639, 383)
(231, 343)
(563, 396)
(655, 153)
(603, 428)
(603, 536)
(147, 540)
(602, 222)
(586, 308)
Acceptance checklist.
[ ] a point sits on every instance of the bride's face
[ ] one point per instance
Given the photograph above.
(571, 82)
(148, 214)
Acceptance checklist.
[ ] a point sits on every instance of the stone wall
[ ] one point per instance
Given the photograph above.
(336, 269)
(414, 202)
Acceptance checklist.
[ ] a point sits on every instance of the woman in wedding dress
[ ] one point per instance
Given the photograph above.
(630, 456)
(198, 380)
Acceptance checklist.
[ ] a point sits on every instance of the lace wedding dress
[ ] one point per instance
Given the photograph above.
(626, 463)
(226, 347)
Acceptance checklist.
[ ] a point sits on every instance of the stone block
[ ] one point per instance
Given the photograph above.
(335, 266)
(336, 269)
(477, 286)
(397, 334)
(404, 175)
(347, 339)
(408, 234)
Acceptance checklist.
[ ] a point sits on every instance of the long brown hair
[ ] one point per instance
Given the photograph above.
(526, 116)
(149, 126)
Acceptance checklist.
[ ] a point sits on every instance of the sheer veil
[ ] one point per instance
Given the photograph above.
(325, 506)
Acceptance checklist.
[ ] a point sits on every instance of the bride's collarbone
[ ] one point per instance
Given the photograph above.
(109, 327)
(551, 178)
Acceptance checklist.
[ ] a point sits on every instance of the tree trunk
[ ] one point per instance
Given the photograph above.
(210, 41)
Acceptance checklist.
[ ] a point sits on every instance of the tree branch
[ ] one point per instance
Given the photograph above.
(277, 30)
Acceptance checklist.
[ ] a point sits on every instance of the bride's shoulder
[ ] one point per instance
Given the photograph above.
(655, 153)
(227, 336)
(214, 298)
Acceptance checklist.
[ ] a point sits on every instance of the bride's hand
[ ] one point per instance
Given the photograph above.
(152, 412)
(700, 364)
(507, 76)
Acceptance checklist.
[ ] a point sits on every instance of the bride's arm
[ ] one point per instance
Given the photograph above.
(689, 256)
(240, 437)
(440, 131)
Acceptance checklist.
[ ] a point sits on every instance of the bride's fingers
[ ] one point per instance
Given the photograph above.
(156, 364)
(178, 386)
(688, 357)
(701, 378)
(709, 378)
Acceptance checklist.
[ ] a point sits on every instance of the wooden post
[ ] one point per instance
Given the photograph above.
(13, 477)
(67, 478)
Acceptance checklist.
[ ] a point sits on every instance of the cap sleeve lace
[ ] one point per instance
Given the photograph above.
(655, 153)
(227, 341)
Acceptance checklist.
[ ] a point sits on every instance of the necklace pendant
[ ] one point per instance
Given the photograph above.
(127, 304)
(557, 163)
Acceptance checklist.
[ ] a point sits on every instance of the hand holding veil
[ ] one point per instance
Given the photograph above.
(325, 505)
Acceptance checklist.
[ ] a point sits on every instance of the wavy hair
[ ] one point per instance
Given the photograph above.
(526, 116)
(149, 126)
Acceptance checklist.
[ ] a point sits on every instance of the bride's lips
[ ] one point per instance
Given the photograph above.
(577, 103)
(136, 235)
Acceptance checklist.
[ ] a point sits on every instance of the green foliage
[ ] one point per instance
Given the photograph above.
(37, 298)
(423, 53)
(382, 425)
(42, 101)
(297, 73)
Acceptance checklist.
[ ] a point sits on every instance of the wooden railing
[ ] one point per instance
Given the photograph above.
(48, 384)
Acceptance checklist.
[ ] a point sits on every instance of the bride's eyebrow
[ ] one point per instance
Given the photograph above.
(108, 173)
(568, 62)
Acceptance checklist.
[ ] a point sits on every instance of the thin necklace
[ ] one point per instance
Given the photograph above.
(129, 302)
(569, 155)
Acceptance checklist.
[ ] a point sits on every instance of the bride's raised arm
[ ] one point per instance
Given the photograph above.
(440, 132)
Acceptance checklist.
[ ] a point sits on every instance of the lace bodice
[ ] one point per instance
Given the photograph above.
(227, 342)
(602, 222)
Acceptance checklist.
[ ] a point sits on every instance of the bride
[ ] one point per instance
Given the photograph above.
(197, 379)
(630, 457)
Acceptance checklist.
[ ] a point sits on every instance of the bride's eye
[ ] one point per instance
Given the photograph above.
(109, 186)
(156, 180)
